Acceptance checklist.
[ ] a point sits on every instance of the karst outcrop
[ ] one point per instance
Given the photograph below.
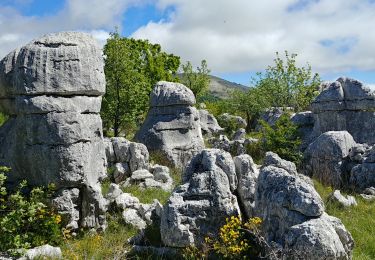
(52, 89)
(172, 125)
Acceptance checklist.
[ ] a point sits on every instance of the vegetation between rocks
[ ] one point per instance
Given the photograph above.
(359, 220)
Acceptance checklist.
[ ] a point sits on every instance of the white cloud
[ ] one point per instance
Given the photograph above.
(243, 35)
(97, 17)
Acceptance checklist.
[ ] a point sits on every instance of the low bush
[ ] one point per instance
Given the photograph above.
(283, 138)
(25, 219)
(233, 241)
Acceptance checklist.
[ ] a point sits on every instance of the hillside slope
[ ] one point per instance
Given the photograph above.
(221, 88)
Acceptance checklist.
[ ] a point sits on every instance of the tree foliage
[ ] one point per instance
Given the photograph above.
(282, 85)
(199, 80)
(132, 67)
(25, 219)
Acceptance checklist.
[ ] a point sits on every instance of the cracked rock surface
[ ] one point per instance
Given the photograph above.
(172, 125)
(52, 89)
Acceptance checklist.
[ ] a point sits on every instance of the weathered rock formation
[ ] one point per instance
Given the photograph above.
(325, 157)
(52, 89)
(305, 123)
(293, 215)
(346, 105)
(172, 125)
(201, 205)
(209, 124)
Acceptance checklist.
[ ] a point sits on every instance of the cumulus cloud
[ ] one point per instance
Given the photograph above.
(243, 35)
(97, 17)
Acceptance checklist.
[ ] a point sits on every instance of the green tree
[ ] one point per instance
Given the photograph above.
(132, 67)
(287, 85)
(282, 85)
(199, 80)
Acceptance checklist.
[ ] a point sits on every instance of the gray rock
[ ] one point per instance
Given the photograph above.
(132, 217)
(208, 123)
(229, 119)
(52, 87)
(138, 156)
(109, 151)
(273, 159)
(362, 176)
(320, 238)
(325, 156)
(146, 211)
(121, 171)
(284, 200)
(67, 203)
(66, 63)
(171, 93)
(113, 192)
(43, 252)
(126, 200)
(305, 122)
(347, 201)
(141, 175)
(172, 125)
(346, 105)
(121, 149)
(240, 134)
(271, 115)
(247, 175)
(200, 206)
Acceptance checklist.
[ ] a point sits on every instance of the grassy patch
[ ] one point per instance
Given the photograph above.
(109, 245)
(148, 195)
(358, 220)
(3, 118)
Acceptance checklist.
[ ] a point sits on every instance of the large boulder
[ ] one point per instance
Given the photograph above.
(346, 104)
(305, 123)
(209, 124)
(200, 206)
(247, 175)
(293, 215)
(325, 157)
(172, 125)
(52, 87)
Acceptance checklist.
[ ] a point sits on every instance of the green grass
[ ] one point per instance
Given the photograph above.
(359, 220)
(3, 118)
(148, 195)
(111, 244)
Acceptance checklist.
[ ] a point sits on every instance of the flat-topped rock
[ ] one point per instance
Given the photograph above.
(170, 94)
(65, 63)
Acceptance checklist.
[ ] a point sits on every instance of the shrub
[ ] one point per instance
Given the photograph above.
(232, 241)
(283, 138)
(25, 219)
(3, 118)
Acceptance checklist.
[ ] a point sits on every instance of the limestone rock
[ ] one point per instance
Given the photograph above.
(121, 149)
(201, 204)
(320, 238)
(240, 134)
(172, 125)
(53, 87)
(247, 175)
(348, 105)
(138, 156)
(45, 251)
(271, 115)
(208, 123)
(67, 203)
(325, 157)
(113, 192)
(305, 122)
(132, 217)
(342, 200)
(65, 63)
(126, 200)
(121, 172)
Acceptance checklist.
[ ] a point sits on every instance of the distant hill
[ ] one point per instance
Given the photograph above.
(221, 88)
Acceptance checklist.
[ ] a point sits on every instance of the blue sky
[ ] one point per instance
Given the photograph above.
(237, 37)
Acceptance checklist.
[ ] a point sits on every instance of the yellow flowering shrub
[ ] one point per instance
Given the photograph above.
(231, 242)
